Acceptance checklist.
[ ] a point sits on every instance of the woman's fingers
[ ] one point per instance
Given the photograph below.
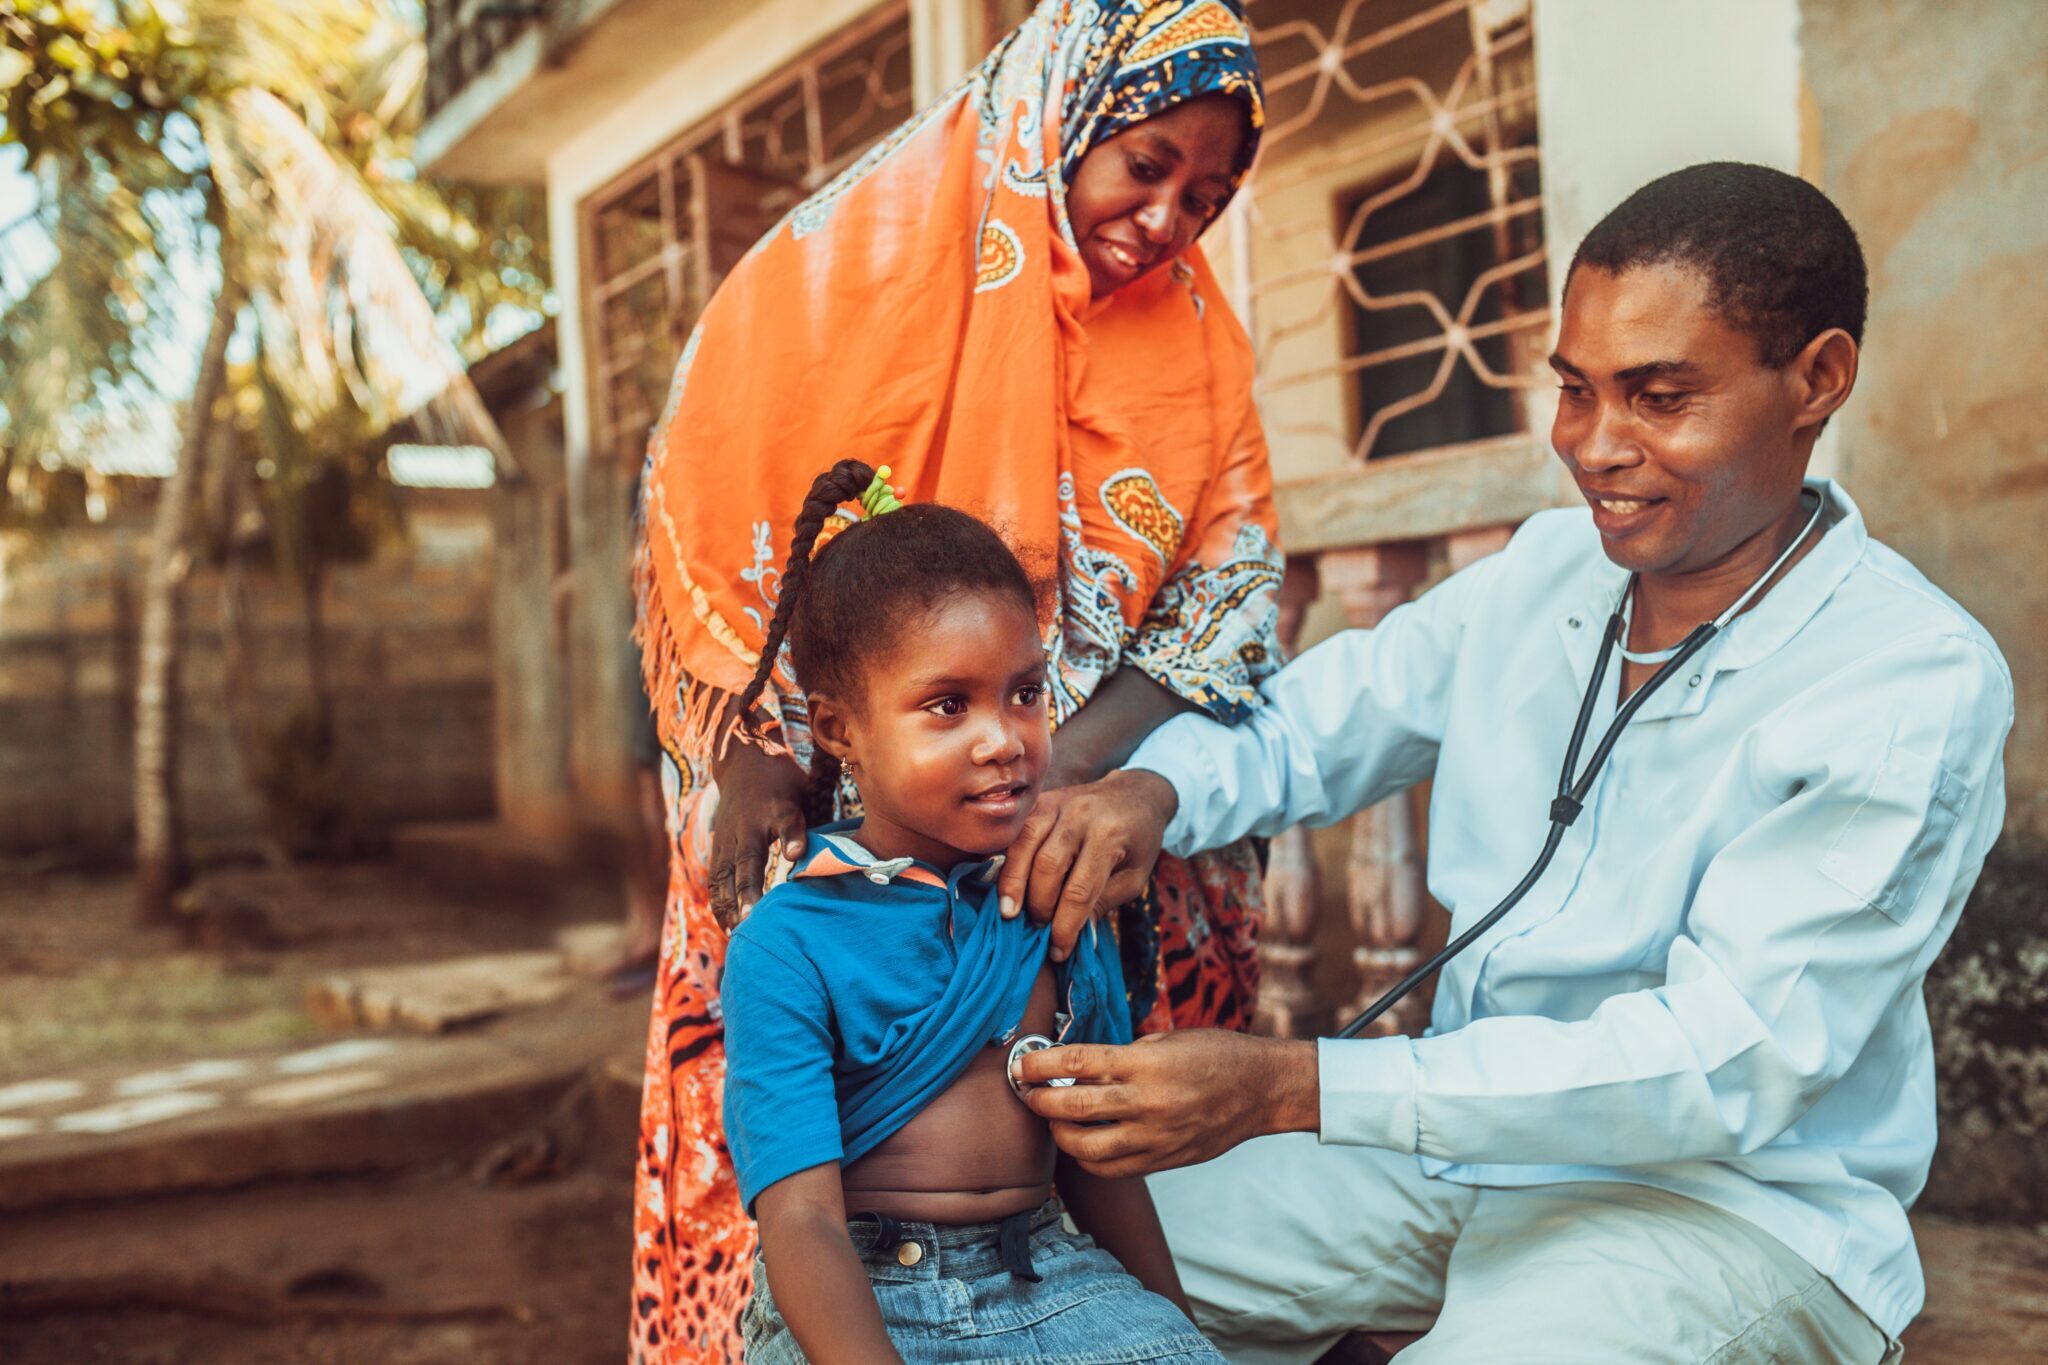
(794, 832)
(1087, 880)
(1049, 867)
(1076, 853)
(750, 855)
(1022, 855)
(784, 827)
(724, 903)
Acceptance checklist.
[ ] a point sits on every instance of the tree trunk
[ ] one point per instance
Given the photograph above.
(241, 700)
(159, 848)
(315, 587)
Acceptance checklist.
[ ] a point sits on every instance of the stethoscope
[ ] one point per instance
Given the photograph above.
(1571, 795)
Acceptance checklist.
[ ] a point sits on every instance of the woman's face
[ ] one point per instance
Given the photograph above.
(1141, 198)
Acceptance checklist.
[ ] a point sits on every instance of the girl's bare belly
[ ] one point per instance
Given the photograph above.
(973, 1155)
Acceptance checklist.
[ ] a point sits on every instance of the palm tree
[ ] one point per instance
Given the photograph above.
(268, 141)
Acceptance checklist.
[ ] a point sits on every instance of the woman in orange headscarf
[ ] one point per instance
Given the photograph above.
(1003, 302)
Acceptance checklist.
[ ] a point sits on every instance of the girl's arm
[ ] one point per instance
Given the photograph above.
(1119, 1215)
(817, 1280)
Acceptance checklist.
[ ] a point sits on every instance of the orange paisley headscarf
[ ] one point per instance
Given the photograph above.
(928, 311)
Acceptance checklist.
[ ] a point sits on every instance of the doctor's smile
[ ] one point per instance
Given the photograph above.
(1618, 516)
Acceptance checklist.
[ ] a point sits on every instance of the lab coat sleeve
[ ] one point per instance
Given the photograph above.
(1350, 722)
(1803, 931)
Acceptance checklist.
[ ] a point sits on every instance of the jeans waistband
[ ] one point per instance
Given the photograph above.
(951, 1251)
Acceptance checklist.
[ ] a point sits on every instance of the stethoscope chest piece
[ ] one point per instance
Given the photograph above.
(1030, 1042)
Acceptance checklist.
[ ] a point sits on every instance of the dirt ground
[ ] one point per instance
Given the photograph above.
(426, 1268)
(80, 984)
(419, 1267)
(433, 1265)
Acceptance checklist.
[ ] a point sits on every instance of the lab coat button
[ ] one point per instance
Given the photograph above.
(1693, 681)
(910, 1253)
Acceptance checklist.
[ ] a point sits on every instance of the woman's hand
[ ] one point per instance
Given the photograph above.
(760, 801)
(1085, 847)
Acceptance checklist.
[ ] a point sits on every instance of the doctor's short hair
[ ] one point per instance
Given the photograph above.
(1780, 261)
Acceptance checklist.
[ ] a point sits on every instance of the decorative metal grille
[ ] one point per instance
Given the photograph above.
(1388, 253)
(463, 36)
(659, 240)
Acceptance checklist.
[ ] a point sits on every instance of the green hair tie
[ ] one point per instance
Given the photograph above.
(879, 497)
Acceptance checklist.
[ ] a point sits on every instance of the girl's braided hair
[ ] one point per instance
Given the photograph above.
(848, 603)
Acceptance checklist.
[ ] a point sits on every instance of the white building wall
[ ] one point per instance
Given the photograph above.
(1627, 90)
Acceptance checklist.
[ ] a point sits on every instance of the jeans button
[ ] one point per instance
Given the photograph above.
(910, 1253)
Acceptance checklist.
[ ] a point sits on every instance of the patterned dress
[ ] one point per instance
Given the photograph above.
(1113, 441)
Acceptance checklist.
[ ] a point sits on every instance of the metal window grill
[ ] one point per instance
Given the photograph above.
(465, 36)
(659, 239)
(1387, 255)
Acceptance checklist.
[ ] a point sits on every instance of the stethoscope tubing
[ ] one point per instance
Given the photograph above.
(1571, 795)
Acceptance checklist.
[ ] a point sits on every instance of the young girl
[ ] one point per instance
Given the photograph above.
(872, 1001)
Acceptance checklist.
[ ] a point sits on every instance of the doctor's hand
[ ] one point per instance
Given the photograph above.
(1171, 1099)
(1086, 847)
(760, 804)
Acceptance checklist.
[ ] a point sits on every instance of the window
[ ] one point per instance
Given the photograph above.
(659, 240)
(1388, 253)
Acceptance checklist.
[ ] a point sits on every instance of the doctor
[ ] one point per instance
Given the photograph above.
(1674, 1105)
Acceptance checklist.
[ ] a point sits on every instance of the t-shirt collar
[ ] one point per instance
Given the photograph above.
(832, 851)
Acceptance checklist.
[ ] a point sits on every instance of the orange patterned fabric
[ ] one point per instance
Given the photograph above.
(928, 311)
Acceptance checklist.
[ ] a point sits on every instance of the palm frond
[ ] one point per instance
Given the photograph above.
(78, 341)
(342, 315)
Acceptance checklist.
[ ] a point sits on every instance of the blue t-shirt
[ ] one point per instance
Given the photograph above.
(860, 989)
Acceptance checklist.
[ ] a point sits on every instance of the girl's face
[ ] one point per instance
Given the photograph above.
(1141, 198)
(948, 739)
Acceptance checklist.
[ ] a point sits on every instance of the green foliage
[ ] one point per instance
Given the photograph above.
(276, 138)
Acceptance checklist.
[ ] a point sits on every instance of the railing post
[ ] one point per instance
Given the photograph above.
(1384, 889)
(947, 37)
(1288, 1004)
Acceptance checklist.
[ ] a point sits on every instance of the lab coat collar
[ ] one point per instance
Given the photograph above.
(1781, 613)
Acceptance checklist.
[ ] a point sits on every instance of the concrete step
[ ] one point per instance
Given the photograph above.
(433, 997)
(363, 1103)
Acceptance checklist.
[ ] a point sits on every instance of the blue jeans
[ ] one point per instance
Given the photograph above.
(957, 1302)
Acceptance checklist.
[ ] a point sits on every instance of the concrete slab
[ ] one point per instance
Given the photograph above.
(304, 1090)
(289, 1114)
(208, 1071)
(27, 1094)
(119, 1117)
(591, 950)
(432, 997)
(348, 1052)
